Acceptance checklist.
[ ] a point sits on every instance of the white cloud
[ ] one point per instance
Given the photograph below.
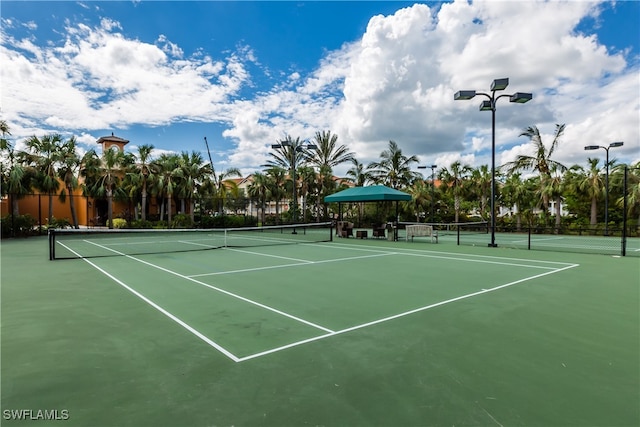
(404, 72)
(101, 79)
(394, 83)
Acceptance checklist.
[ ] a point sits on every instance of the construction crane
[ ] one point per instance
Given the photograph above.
(213, 171)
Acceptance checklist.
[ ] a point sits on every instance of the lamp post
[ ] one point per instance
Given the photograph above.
(490, 105)
(294, 148)
(606, 180)
(433, 186)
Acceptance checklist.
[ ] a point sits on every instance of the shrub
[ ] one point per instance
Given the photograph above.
(141, 224)
(19, 226)
(119, 223)
(181, 221)
(59, 223)
(228, 221)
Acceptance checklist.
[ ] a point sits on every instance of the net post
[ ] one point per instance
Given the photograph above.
(52, 244)
(529, 239)
(623, 243)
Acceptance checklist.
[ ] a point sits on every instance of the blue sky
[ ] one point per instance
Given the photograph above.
(245, 74)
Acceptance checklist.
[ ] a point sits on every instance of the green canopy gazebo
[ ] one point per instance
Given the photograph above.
(372, 193)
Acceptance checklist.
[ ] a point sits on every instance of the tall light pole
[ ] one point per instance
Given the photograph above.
(606, 180)
(433, 186)
(294, 149)
(490, 105)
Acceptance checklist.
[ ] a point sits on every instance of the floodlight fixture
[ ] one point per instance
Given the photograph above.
(606, 191)
(520, 97)
(499, 84)
(485, 106)
(490, 105)
(464, 95)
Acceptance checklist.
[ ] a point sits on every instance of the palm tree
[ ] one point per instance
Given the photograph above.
(16, 176)
(277, 178)
(394, 168)
(192, 172)
(593, 185)
(358, 174)
(455, 181)
(421, 197)
(327, 155)
(104, 174)
(515, 192)
(165, 182)
(308, 182)
(143, 173)
(289, 155)
(553, 190)
(633, 192)
(4, 132)
(481, 187)
(259, 190)
(541, 160)
(17, 181)
(223, 184)
(43, 154)
(68, 174)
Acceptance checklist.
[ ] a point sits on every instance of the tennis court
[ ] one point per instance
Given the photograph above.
(342, 332)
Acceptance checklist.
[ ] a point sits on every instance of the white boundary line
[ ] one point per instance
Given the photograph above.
(245, 270)
(329, 333)
(444, 255)
(161, 310)
(406, 313)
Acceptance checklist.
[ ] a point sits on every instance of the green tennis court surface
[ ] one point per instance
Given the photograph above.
(350, 332)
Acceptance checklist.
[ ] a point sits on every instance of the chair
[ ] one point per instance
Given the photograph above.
(378, 230)
(346, 229)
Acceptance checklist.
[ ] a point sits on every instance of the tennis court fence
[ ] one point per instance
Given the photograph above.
(565, 239)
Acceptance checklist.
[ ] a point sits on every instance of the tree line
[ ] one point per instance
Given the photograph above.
(51, 165)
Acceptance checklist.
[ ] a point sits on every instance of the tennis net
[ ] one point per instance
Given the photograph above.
(92, 243)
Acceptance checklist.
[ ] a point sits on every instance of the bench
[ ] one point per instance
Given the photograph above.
(421, 230)
(361, 234)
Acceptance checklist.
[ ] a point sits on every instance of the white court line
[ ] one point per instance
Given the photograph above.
(160, 309)
(442, 255)
(329, 333)
(532, 240)
(245, 270)
(266, 307)
(269, 255)
(485, 261)
(406, 313)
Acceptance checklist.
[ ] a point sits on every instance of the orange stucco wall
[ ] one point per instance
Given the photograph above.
(37, 205)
